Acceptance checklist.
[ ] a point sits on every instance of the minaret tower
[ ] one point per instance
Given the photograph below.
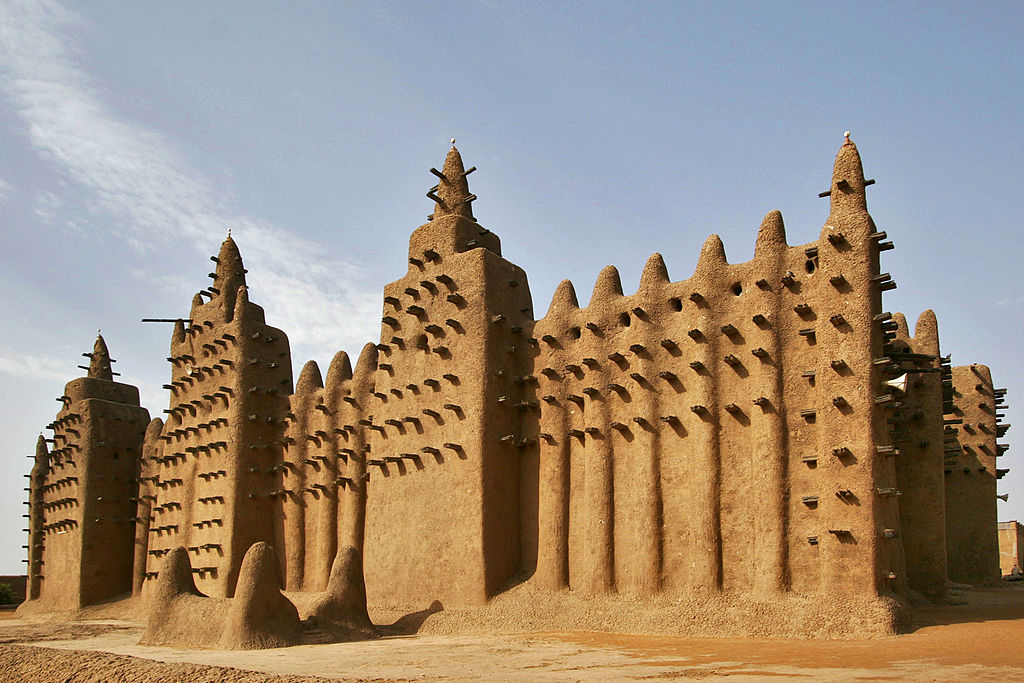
(860, 550)
(230, 378)
(446, 411)
(82, 504)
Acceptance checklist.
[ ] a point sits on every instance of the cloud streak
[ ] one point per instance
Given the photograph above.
(138, 179)
(30, 366)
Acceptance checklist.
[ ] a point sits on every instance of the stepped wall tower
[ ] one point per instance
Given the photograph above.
(725, 432)
(914, 365)
(972, 536)
(213, 472)
(442, 515)
(82, 492)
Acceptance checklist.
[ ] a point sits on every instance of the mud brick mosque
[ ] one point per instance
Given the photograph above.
(763, 429)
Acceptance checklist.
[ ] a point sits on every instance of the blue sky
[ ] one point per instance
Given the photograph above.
(135, 134)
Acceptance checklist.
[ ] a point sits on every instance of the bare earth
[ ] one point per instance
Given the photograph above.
(977, 641)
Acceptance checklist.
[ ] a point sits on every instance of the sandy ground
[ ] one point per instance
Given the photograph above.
(980, 640)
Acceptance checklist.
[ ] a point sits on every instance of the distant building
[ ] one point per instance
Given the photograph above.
(1011, 547)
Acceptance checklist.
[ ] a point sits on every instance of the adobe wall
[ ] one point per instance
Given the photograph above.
(322, 475)
(1011, 547)
(972, 541)
(82, 493)
(919, 438)
(721, 433)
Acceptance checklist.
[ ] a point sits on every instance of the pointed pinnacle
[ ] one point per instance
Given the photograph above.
(230, 271)
(564, 298)
(655, 273)
(608, 285)
(99, 363)
(451, 195)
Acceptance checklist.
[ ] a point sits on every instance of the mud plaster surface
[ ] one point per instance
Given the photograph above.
(976, 640)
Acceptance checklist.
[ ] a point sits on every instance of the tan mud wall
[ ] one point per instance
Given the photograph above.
(972, 542)
(323, 473)
(688, 434)
(919, 437)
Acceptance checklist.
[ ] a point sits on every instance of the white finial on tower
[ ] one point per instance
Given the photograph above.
(229, 232)
(453, 142)
(846, 135)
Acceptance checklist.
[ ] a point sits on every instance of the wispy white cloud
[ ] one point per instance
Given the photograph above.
(29, 366)
(48, 204)
(152, 198)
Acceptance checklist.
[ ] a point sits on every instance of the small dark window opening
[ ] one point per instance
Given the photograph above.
(810, 266)
(574, 333)
(737, 289)
(624, 319)
(676, 304)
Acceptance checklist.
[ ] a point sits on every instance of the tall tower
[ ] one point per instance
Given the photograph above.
(81, 498)
(442, 518)
(919, 435)
(212, 473)
(972, 535)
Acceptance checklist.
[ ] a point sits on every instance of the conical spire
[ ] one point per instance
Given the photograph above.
(848, 180)
(41, 450)
(178, 334)
(366, 368)
(42, 460)
(99, 361)
(926, 333)
(153, 430)
(608, 285)
(902, 330)
(197, 304)
(309, 379)
(655, 272)
(229, 265)
(452, 195)
(564, 298)
(340, 370)
(712, 255)
(228, 276)
(241, 302)
(771, 237)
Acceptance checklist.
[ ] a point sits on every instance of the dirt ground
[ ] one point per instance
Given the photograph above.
(979, 640)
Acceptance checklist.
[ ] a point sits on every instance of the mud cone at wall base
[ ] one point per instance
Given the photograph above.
(260, 616)
(177, 613)
(342, 609)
